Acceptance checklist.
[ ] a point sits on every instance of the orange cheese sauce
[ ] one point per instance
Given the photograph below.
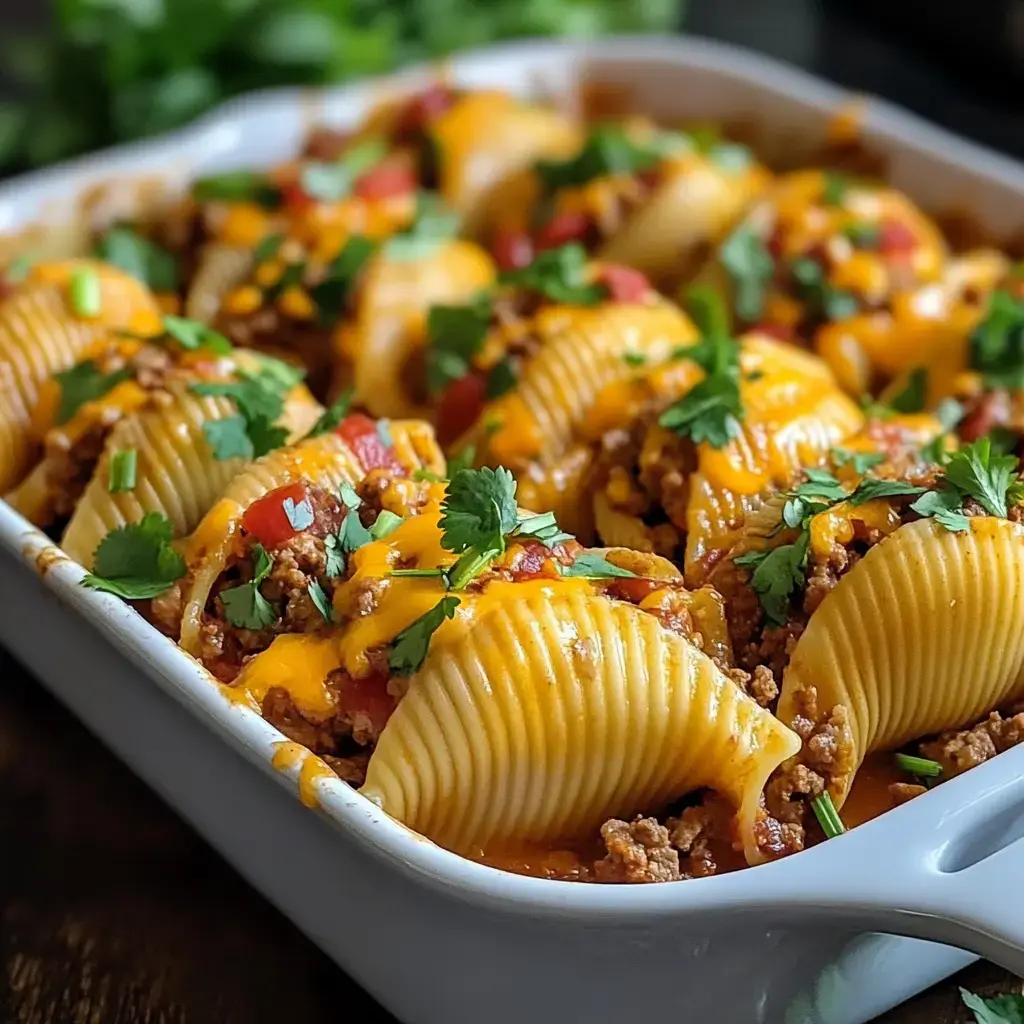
(288, 755)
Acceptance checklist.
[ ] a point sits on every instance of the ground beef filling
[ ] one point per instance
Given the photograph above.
(959, 750)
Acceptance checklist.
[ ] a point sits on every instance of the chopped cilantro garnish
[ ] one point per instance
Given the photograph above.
(299, 515)
(267, 248)
(123, 469)
(559, 275)
(84, 382)
(479, 509)
(863, 234)
(349, 498)
(634, 359)
(750, 265)
(135, 254)
(827, 815)
(329, 182)
(319, 598)
(409, 648)
(385, 524)
(835, 188)
(335, 556)
(822, 299)
(997, 344)
(501, 379)
(777, 574)
(944, 506)
(913, 396)
(463, 460)
(608, 150)
(244, 605)
(542, 527)
(332, 415)
(1002, 1009)
(591, 565)
(433, 226)
(871, 488)
(455, 334)
(860, 461)
(352, 535)
(229, 438)
(982, 475)
(192, 335)
(137, 561)
(238, 186)
(332, 292)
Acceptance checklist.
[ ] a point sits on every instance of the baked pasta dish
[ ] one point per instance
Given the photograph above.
(601, 504)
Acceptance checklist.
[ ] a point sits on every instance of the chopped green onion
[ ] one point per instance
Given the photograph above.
(920, 766)
(417, 572)
(827, 815)
(123, 466)
(386, 523)
(84, 292)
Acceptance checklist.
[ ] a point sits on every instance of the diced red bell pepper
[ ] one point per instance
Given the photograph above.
(360, 433)
(624, 284)
(266, 518)
(512, 250)
(565, 227)
(460, 405)
(387, 179)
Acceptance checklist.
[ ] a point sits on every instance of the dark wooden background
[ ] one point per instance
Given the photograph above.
(113, 912)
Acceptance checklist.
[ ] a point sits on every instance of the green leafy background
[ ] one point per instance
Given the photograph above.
(114, 70)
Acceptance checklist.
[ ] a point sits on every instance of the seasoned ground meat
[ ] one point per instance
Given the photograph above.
(788, 791)
(638, 851)
(958, 751)
(702, 834)
(350, 769)
(279, 709)
(759, 684)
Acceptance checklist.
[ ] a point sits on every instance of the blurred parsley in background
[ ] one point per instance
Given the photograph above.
(113, 70)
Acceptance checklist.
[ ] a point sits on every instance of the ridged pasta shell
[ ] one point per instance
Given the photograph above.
(176, 473)
(389, 323)
(925, 633)
(486, 138)
(221, 269)
(326, 461)
(557, 711)
(695, 206)
(40, 335)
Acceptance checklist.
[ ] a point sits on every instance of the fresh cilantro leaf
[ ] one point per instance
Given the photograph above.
(479, 509)
(707, 310)
(329, 182)
(861, 461)
(433, 226)
(821, 484)
(839, 305)
(300, 516)
(750, 265)
(944, 506)
(385, 524)
(1004, 440)
(349, 498)
(822, 299)
(543, 528)
(863, 235)
(835, 188)
(501, 379)
(559, 275)
(84, 382)
(353, 535)
(871, 488)
(607, 150)
(267, 248)
(265, 436)
(135, 254)
(331, 294)
(332, 415)
(137, 561)
(949, 413)
(409, 648)
(1005, 1009)
(238, 186)
(252, 395)
(228, 438)
(710, 411)
(463, 460)
(777, 574)
(192, 335)
(937, 450)
(913, 397)
(591, 565)
(634, 359)
(455, 334)
(997, 343)
(244, 605)
(982, 475)
(335, 556)
(274, 374)
(319, 598)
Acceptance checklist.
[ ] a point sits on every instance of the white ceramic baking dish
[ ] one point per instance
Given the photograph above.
(438, 939)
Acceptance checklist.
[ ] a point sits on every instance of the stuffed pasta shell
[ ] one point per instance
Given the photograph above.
(514, 692)
(46, 322)
(636, 195)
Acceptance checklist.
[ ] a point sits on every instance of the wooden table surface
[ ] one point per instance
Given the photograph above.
(113, 912)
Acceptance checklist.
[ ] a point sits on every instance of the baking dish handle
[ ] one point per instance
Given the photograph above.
(947, 866)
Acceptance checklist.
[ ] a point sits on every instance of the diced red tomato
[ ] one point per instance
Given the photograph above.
(512, 250)
(294, 197)
(422, 109)
(624, 284)
(776, 244)
(780, 331)
(895, 238)
(565, 227)
(460, 405)
(633, 589)
(367, 698)
(387, 179)
(266, 518)
(360, 433)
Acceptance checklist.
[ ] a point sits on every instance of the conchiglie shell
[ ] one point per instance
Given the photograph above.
(40, 335)
(484, 139)
(222, 268)
(390, 321)
(325, 461)
(558, 488)
(925, 633)
(583, 353)
(620, 529)
(794, 416)
(176, 472)
(694, 206)
(558, 710)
